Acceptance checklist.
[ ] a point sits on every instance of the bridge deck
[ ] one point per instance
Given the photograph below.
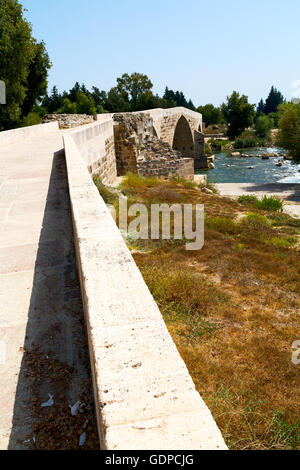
(42, 340)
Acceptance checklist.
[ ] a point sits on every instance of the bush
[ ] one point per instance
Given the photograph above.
(217, 145)
(68, 107)
(256, 220)
(248, 200)
(263, 126)
(32, 119)
(288, 135)
(108, 196)
(222, 224)
(267, 203)
(256, 226)
(270, 203)
(285, 242)
(280, 220)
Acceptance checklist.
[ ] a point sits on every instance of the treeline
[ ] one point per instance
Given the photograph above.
(132, 93)
(24, 65)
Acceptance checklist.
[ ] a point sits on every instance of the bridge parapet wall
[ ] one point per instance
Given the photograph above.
(95, 143)
(144, 395)
(23, 133)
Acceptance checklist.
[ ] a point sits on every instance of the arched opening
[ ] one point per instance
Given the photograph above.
(154, 132)
(183, 139)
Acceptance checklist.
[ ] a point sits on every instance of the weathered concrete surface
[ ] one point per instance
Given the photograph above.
(144, 395)
(17, 135)
(40, 305)
(289, 192)
(97, 147)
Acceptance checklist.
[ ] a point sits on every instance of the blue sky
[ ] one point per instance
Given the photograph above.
(207, 48)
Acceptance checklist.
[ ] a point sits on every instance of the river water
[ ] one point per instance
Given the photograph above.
(230, 169)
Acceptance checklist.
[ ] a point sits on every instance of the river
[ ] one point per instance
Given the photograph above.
(230, 169)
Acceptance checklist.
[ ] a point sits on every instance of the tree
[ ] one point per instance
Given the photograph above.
(116, 102)
(37, 78)
(133, 87)
(53, 102)
(274, 99)
(211, 114)
(238, 114)
(84, 104)
(289, 129)
(263, 126)
(72, 95)
(260, 108)
(23, 63)
(68, 107)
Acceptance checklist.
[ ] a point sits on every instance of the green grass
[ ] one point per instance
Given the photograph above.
(281, 220)
(108, 196)
(267, 203)
(285, 242)
(222, 224)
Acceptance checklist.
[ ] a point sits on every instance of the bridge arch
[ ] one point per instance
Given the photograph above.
(183, 138)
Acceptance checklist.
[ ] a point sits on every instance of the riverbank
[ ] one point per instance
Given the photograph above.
(231, 309)
(290, 193)
(230, 169)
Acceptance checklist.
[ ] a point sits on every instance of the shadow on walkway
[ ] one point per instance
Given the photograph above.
(293, 190)
(55, 358)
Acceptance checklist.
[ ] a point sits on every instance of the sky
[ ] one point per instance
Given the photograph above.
(206, 49)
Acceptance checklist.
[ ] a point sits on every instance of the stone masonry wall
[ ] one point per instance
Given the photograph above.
(138, 150)
(96, 145)
(68, 121)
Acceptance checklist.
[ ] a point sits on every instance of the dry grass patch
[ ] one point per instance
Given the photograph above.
(233, 310)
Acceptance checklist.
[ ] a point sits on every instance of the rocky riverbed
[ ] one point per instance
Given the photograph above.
(258, 165)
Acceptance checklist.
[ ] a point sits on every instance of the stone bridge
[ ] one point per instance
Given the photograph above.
(180, 128)
(56, 229)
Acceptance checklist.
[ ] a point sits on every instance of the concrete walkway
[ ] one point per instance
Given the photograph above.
(40, 306)
(289, 192)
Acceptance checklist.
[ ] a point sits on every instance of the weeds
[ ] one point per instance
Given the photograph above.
(267, 203)
(107, 195)
(232, 309)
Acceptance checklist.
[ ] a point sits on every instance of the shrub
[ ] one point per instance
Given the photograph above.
(248, 200)
(134, 183)
(217, 145)
(267, 203)
(285, 242)
(256, 220)
(288, 135)
(222, 224)
(263, 126)
(280, 220)
(32, 119)
(108, 196)
(256, 226)
(209, 185)
(270, 203)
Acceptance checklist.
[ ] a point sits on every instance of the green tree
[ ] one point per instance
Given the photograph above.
(23, 63)
(260, 108)
(263, 126)
(274, 99)
(116, 102)
(53, 102)
(133, 87)
(68, 107)
(238, 113)
(37, 78)
(211, 114)
(289, 129)
(84, 104)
